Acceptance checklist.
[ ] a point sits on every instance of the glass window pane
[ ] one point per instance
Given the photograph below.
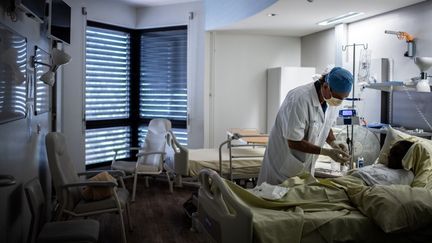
(107, 74)
(163, 77)
(100, 144)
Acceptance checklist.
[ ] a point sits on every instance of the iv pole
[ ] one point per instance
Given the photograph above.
(349, 141)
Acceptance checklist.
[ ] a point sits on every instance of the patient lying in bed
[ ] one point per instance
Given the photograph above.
(344, 209)
(393, 173)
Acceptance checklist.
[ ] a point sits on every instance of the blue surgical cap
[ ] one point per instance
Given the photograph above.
(340, 80)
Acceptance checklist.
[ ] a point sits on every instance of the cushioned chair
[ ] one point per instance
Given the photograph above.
(150, 156)
(53, 232)
(176, 159)
(68, 186)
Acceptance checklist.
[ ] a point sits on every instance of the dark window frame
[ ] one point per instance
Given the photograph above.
(134, 121)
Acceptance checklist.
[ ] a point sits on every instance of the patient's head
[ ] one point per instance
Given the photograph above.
(397, 153)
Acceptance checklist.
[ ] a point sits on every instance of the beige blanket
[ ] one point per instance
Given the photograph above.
(317, 208)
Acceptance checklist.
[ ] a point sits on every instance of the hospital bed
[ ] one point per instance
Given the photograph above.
(238, 157)
(342, 209)
(223, 216)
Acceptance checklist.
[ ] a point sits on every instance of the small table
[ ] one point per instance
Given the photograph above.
(252, 136)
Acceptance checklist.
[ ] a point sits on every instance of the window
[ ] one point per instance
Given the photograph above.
(163, 78)
(107, 93)
(132, 76)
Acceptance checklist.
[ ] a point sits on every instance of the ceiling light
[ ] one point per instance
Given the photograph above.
(339, 18)
(271, 14)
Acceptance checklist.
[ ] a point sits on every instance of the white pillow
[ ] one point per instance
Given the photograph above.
(392, 137)
(379, 174)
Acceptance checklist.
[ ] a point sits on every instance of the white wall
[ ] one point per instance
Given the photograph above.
(110, 12)
(168, 15)
(22, 146)
(318, 50)
(73, 73)
(414, 20)
(238, 65)
(178, 14)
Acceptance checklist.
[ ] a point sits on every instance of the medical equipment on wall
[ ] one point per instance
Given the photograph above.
(366, 144)
(401, 35)
(423, 63)
(350, 137)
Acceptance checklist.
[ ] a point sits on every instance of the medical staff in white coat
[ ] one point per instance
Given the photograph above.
(303, 125)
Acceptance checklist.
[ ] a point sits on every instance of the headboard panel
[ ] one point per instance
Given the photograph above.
(412, 110)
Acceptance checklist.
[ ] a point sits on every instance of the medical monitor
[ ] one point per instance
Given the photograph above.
(60, 21)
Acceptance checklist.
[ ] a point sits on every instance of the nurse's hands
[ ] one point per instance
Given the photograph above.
(339, 145)
(336, 154)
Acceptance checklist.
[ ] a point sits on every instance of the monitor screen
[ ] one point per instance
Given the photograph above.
(34, 8)
(347, 112)
(60, 21)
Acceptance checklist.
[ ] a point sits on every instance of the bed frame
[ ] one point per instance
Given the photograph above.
(220, 216)
(177, 157)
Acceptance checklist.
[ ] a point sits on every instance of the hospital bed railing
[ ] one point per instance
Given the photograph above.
(221, 217)
(230, 145)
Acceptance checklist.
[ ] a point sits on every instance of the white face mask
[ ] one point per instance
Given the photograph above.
(333, 101)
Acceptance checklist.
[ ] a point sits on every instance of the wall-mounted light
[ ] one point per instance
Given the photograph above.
(339, 18)
(58, 58)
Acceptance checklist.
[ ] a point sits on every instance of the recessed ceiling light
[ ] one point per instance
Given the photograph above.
(339, 18)
(271, 14)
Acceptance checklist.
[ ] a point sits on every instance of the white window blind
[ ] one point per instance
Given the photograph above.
(107, 74)
(163, 82)
(100, 144)
(13, 78)
(107, 93)
(41, 90)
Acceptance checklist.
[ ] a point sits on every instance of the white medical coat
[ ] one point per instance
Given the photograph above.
(300, 117)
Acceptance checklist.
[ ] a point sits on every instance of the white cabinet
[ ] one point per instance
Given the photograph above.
(280, 80)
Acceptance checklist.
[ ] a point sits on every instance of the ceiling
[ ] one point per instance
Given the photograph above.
(296, 17)
(148, 3)
(300, 17)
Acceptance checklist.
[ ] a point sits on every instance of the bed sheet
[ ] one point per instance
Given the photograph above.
(317, 211)
(316, 227)
(352, 227)
(242, 167)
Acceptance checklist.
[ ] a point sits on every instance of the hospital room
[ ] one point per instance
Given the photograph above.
(222, 121)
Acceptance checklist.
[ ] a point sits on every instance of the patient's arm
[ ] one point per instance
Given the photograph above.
(304, 146)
